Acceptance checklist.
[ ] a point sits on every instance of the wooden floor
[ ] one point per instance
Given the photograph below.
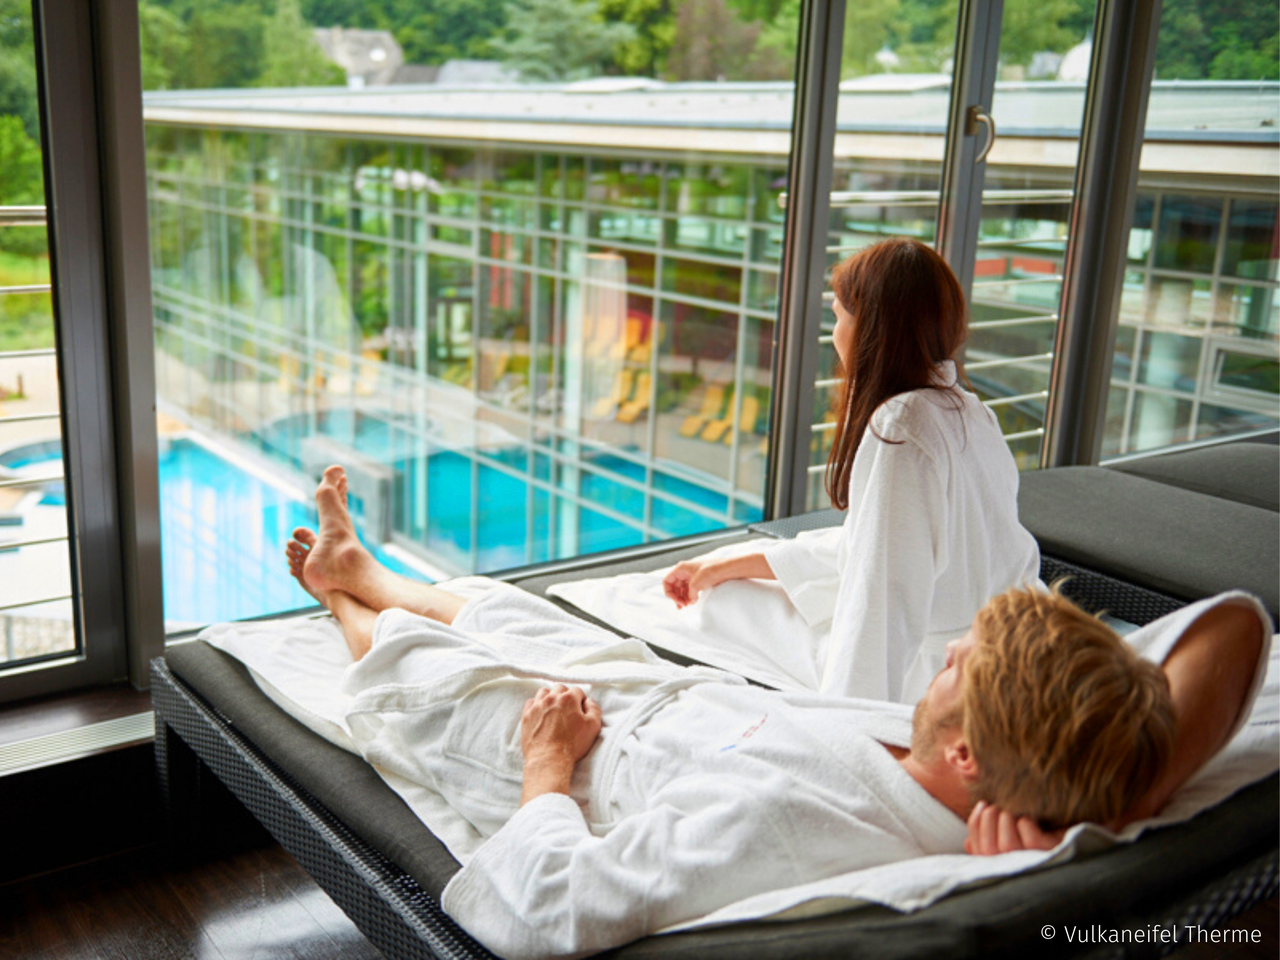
(255, 904)
(258, 904)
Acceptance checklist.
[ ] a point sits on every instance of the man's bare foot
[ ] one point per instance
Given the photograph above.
(335, 549)
(296, 551)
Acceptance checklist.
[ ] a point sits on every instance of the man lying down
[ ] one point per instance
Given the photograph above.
(622, 794)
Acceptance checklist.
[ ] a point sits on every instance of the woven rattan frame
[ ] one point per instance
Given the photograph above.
(388, 906)
(403, 921)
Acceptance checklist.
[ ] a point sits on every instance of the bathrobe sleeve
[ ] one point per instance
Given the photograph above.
(544, 885)
(898, 546)
(808, 568)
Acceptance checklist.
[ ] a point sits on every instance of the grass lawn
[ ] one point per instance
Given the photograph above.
(26, 319)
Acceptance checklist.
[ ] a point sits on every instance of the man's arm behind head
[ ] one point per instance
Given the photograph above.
(1210, 673)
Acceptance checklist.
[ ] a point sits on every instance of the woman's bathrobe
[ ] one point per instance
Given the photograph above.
(931, 534)
(701, 791)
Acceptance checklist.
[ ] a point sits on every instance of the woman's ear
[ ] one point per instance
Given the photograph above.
(960, 758)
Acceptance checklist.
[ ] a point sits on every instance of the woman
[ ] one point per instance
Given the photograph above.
(929, 487)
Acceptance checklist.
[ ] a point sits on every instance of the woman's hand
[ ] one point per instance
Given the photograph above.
(689, 578)
(557, 729)
(992, 831)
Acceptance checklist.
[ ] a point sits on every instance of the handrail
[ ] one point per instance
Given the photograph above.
(30, 481)
(30, 216)
(1018, 281)
(35, 603)
(858, 198)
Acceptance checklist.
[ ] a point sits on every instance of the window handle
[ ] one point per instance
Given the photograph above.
(975, 118)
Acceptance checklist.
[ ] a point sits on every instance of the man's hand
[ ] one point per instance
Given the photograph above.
(992, 830)
(689, 578)
(559, 726)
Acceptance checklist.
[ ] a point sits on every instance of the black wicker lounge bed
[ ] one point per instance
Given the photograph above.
(386, 870)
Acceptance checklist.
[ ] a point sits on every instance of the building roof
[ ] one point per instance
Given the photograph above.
(1038, 121)
(912, 103)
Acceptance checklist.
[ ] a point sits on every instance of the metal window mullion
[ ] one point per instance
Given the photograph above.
(960, 202)
(1096, 255)
(803, 256)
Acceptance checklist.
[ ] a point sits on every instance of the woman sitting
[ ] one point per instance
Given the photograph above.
(926, 479)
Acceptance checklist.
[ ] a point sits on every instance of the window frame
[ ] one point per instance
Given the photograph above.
(88, 80)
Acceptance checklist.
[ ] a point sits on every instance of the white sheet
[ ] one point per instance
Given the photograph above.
(748, 627)
(304, 661)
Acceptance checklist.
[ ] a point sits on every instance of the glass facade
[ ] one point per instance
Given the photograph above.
(531, 352)
(519, 355)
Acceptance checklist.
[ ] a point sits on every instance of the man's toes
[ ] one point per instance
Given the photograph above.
(305, 537)
(335, 475)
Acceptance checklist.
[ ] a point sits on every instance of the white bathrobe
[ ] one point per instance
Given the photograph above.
(930, 535)
(701, 791)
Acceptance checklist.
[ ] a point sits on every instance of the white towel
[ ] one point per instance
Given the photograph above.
(748, 627)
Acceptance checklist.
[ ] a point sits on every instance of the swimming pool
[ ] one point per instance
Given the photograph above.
(222, 534)
(224, 522)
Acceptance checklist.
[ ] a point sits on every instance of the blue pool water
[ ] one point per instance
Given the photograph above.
(223, 531)
(223, 528)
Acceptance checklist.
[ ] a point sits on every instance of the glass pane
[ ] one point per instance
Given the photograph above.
(890, 131)
(1199, 305)
(37, 615)
(502, 337)
(1038, 107)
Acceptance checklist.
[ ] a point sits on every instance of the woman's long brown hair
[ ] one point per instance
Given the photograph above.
(909, 315)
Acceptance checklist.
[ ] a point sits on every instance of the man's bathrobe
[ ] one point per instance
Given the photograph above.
(701, 790)
(931, 534)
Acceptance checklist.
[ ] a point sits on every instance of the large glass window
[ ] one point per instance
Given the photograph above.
(529, 304)
(1198, 344)
(36, 607)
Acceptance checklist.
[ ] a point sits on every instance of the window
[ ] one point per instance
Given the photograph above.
(62, 591)
(532, 325)
(1200, 294)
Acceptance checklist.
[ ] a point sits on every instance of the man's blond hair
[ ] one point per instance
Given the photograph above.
(1065, 721)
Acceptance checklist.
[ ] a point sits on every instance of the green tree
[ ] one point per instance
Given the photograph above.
(1218, 40)
(452, 30)
(21, 173)
(21, 184)
(868, 28)
(17, 65)
(427, 33)
(226, 48)
(557, 40)
(291, 57)
(1031, 26)
(713, 43)
(655, 32)
(164, 44)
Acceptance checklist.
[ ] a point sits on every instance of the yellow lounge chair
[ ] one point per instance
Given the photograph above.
(712, 401)
(747, 419)
(632, 409)
(622, 388)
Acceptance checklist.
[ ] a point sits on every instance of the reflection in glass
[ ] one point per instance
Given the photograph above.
(1187, 237)
(1253, 240)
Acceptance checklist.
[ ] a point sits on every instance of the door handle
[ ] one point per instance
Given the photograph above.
(975, 118)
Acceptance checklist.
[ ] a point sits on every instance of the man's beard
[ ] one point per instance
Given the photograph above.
(927, 728)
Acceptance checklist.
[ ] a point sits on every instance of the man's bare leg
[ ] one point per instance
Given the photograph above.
(333, 559)
(357, 621)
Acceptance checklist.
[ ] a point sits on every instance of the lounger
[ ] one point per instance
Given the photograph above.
(712, 403)
(385, 869)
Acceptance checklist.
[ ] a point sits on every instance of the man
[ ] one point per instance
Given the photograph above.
(670, 792)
